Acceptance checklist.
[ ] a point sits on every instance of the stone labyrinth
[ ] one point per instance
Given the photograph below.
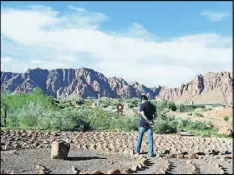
(27, 152)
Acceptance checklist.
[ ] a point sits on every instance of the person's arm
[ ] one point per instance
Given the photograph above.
(143, 115)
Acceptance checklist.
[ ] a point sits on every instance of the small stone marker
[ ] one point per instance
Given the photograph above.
(59, 150)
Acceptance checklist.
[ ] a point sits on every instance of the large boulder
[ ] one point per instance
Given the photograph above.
(226, 131)
(59, 150)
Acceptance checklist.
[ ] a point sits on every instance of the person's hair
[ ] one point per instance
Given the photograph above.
(143, 97)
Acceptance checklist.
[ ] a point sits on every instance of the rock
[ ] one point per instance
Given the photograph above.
(93, 146)
(59, 150)
(128, 171)
(140, 166)
(227, 157)
(40, 167)
(36, 144)
(113, 171)
(165, 152)
(10, 139)
(7, 147)
(214, 152)
(41, 171)
(110, 162)
(222, 171)
(17, 146)
(188, 162)
(169, 156)
(217, 165)
(7, 172)
(97, 172)
(46, 142)
(25, 145)
(162, 171)
(192, 156)
(134, 168)
(194, 168)
(180, 156)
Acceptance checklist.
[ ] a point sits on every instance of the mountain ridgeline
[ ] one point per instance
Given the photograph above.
(84, 82)
(72, 82)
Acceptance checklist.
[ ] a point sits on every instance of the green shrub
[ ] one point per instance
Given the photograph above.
(226, 118)
(104, 105)
(18, 101)
(161, 105)
(80, 101)
(132, 103)
(188, 108)
(171, 105)
(162, 126)
(37, 113)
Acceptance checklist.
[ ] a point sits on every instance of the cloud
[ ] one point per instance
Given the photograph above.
(43, 37)
(6, 59)
(214, 16)
(78, 9)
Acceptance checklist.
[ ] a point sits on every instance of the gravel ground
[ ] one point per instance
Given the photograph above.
(92, 151)
(25, 161)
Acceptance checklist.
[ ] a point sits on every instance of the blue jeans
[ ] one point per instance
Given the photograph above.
(141, 132)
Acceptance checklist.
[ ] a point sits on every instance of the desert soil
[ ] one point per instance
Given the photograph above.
(215, 116)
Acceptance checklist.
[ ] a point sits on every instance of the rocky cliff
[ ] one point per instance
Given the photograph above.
(209, 88)
(72, 82)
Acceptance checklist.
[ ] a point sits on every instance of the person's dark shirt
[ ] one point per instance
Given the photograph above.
(149, 110)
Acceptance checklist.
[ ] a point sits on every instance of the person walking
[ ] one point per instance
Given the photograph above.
(148, 115)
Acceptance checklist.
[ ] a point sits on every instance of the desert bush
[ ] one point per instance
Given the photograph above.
(26, 116)
(133, 102)
(171, 105)
(162, 126)
(80, 101)
(226, 118)
(161, 105)
(18, 101)
(104, 105)
(188, 108)
(105, 102)
(169, 124)
(37, 114)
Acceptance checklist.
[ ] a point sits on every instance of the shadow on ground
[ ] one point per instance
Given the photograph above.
(82, 158)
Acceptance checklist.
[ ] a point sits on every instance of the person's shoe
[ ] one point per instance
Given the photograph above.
(153, 155)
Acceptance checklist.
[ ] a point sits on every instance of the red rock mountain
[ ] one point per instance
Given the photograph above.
(209, 88)
(72, 82)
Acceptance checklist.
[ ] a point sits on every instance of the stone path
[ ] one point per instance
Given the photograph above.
(206, 151)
